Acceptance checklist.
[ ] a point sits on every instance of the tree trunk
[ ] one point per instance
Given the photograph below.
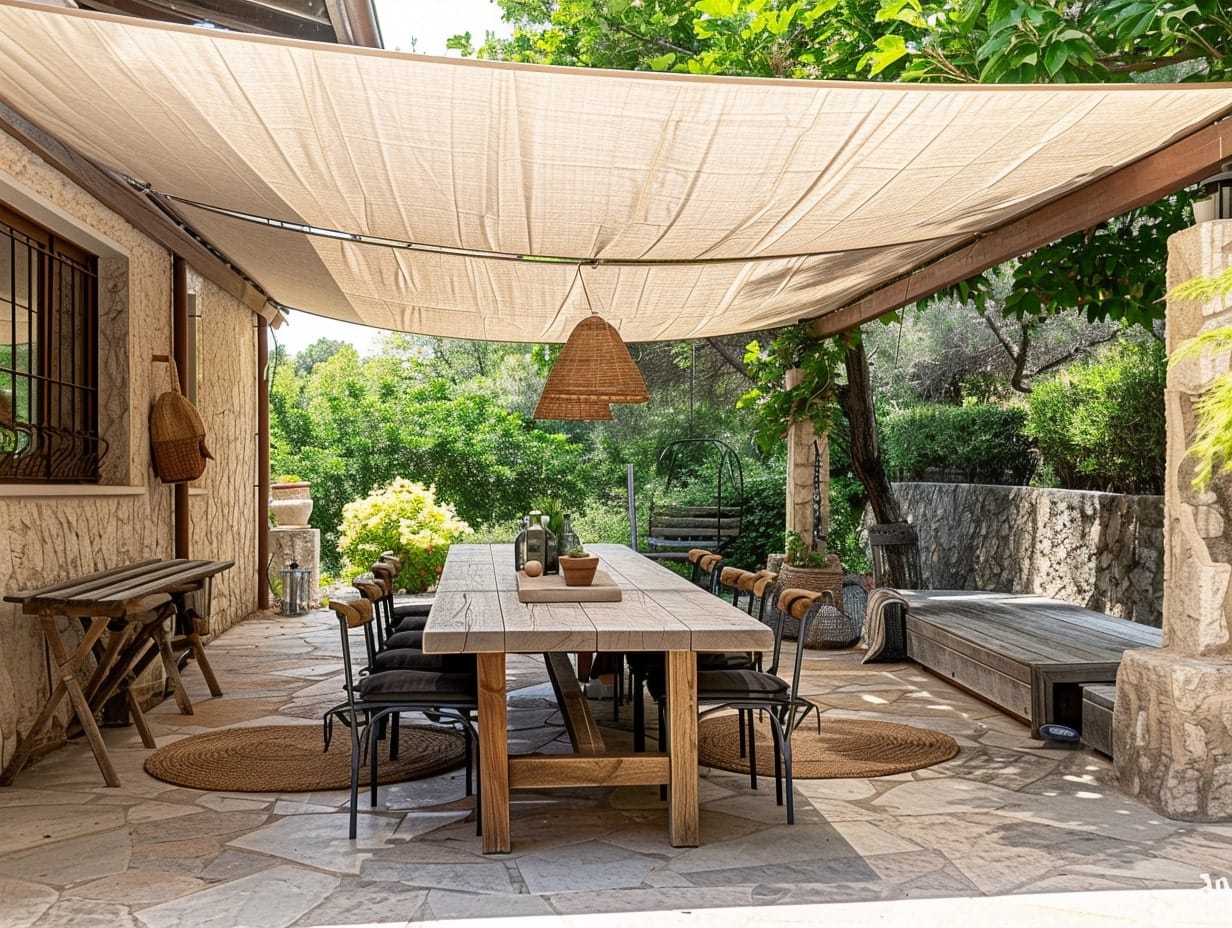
(856, 400)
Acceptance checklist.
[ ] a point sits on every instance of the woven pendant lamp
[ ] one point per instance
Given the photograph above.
(595, 364)
(558, 407)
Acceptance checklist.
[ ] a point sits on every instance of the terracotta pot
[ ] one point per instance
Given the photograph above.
(578, 571)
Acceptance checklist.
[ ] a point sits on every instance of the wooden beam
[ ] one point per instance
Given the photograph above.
(1168, 170)
(552, 771)
(132, 207)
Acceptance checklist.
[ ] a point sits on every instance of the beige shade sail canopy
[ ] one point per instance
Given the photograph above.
(701, 206)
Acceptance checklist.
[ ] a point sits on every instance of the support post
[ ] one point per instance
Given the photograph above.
(179, 350)
(263, 464)
(1171, 740)
(804, 446)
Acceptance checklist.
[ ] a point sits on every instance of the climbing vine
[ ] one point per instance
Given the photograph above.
(775, 406)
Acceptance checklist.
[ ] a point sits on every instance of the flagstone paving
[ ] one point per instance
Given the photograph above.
(1007, 816)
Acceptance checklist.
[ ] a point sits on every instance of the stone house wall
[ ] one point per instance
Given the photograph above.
(1104, 551)
(52, 531)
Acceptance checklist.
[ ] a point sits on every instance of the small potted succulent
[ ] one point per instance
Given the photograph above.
(578, 567)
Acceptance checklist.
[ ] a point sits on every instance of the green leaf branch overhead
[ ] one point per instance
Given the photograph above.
(1212, 441)
(776, 406)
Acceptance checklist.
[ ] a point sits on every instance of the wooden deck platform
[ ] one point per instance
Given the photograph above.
(1027, 654)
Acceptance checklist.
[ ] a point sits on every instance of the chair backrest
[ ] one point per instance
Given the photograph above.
(795, 603)
(352, 614)
(736, 581)
(385, 573)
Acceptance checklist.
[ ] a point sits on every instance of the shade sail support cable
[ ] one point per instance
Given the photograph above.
(363, 238)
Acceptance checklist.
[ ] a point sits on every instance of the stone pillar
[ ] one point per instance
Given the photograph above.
(803, 447)
(303, 546)
(1172, 728)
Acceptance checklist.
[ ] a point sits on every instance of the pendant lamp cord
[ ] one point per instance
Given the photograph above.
(585, 292)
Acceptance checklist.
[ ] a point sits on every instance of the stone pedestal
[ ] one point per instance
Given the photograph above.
(1172, 726)
(1173, 733)
(301, 545)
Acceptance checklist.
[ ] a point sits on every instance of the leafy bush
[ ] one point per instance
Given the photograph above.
(350, 425)
(977, 443)
(402, 517)
(1100, 425)
(764, 517)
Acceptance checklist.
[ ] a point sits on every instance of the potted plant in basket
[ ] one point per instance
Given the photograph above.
(578, 567)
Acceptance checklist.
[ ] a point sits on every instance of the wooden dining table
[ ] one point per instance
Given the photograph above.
(477, 611)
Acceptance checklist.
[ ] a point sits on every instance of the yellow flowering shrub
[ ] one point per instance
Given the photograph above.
(405, 518)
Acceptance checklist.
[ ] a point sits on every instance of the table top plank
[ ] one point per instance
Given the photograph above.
(465, 622)
(535, 627)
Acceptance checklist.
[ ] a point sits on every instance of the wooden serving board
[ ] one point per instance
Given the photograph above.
(550, 588)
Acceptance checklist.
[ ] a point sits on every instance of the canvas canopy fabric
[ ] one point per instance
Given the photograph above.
(699, 206)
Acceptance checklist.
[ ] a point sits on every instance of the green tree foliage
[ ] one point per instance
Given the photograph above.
(975, 443)
(405, 518)
(1100, 425)
(1212, 440)
(349, 426)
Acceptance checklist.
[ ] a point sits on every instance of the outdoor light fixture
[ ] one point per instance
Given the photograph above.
(558, 407)
(1217, 197)
(594, 370)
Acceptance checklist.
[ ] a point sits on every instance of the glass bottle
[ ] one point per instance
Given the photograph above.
(568, 538)
(519, 545)
(550, 551)
(536, 549)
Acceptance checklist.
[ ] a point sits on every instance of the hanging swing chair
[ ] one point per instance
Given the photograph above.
(696, 467)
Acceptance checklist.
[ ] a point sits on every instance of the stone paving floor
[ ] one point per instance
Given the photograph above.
(1008, 816)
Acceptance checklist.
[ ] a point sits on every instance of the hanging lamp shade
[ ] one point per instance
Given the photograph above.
(595, 364)
(559, 407)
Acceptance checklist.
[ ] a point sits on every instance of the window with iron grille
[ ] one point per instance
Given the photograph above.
(48, 356)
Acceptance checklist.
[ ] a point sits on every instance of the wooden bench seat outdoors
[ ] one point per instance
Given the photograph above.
(674, 530)
(1029, 655)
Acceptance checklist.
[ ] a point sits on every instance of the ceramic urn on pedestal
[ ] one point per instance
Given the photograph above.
(290, 503)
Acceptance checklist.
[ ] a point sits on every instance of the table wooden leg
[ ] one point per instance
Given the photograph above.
(25, 747)
(198, 651)
(85, 714)
(493, 753)
(134, 711)
(684, 825)
(159, 634)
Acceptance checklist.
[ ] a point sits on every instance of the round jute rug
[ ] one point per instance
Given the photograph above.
(845, 748)
(291, 759)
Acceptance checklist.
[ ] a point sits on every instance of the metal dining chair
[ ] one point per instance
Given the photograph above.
(749, 690)
(376, 697)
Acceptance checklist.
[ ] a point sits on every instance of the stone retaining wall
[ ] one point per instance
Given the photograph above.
(1103, 551)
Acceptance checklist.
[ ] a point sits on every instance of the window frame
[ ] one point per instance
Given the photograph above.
(55, 438)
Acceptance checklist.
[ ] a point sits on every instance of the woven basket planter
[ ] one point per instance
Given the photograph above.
(817, 579)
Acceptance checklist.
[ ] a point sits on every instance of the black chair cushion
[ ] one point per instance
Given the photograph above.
(735, 660)
(403, 610)
(411, 659)
(417, 686)
(404, 640)
(734, 684)
(412, 623)
(651, 665)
